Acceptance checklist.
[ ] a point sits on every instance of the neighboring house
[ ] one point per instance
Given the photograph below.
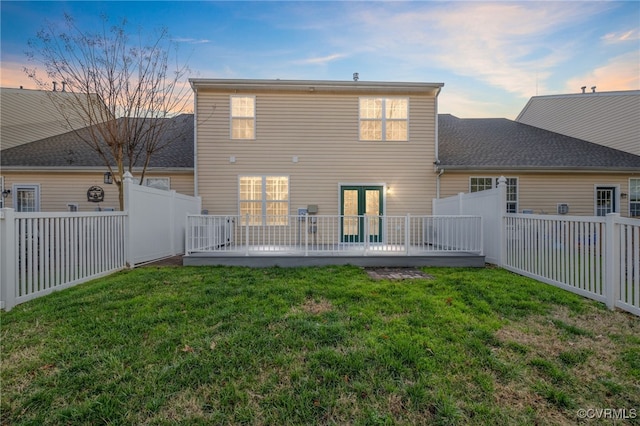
(607, 118)
(273, 147)
(56, 173)
(547, 172)
(31, 115)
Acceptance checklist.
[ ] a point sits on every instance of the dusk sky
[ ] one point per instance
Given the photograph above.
(491, 56)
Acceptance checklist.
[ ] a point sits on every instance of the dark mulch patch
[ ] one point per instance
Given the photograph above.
(396, 273)
(169, 261)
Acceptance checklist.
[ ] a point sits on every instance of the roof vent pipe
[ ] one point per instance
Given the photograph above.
(64, 84)
(356, 76)
(583, 89)
(593, 89)
(55, 83)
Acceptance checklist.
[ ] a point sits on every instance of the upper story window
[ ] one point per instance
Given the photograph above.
(243, 117)
(384, 119)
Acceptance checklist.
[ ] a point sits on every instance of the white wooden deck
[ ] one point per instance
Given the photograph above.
(392, 241)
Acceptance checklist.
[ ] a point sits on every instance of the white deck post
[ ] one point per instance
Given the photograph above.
(246, 235)
(8, 258)
(406, 233)
(366, 234)
(611, 261)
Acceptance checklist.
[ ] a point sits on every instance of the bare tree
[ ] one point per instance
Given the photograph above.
(123, 87)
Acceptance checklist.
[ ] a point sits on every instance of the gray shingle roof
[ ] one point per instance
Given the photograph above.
(484, 143)
(69, 150)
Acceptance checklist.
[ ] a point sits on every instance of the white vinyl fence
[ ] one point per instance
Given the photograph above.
(157, 222)
(486, 204)
(596, 257)
(319, 235)
(45, 252)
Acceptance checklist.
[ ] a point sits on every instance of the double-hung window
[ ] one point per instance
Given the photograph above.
(264, 200)
(384, 119)
(477, 184)
(634, 197)
(243, 117)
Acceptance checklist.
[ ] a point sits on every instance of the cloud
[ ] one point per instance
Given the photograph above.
(191, 40)
(620, 73)
(622, 36)
(510, 46)
(320, 60)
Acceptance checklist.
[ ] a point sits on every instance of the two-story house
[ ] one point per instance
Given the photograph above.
(270, 148)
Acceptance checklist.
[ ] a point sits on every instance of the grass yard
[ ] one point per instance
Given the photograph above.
(302, 346)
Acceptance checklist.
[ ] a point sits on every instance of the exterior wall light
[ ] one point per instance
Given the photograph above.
(6, 193)
(108, 178)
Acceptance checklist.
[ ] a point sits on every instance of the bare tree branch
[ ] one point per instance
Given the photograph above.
(123, 89)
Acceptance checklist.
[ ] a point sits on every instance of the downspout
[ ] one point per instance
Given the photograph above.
(438, 183)
(437, 159)
(195, 141)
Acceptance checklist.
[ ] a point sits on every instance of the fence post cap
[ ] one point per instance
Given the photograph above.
(502, 180)
(128, 177)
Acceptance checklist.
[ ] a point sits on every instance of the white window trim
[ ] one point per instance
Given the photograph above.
(616, 197)
(384, 119)
(29, 186)
(629, 197)
(231, 117)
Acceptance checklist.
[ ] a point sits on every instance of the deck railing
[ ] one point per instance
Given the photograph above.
(332, 234)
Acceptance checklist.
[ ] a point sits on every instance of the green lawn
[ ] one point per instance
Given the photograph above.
(221, 345)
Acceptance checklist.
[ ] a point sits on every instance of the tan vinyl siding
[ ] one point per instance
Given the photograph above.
(541, 192)
(57, 189)
(30, 115)
(610, 118)
(321, 130)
